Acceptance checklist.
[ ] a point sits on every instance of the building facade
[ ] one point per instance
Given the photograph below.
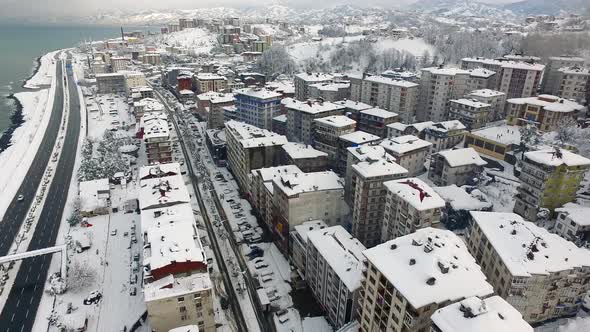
(375, 120)
(409, 151)
(472, 113)
(257, 107)
(327, 132)
(301, 116)
(457, 167)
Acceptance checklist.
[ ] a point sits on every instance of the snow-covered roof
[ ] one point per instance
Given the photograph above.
(209, 76)
(390, 81)
(308, 226)
(172, 243)
(459, 199)
(93, 194)
(577, 213)
(311, 107)
(181, 212)
(470, 102)
(337, 121)
(416, 192)
(462, 157)
(369, 152)
(353, 105)
(186, 328)
(186, 92)
(404, 144)
(359, 137)
(269, 173)
(155, 125)
(280, 118)
(555, 157)
(481, 72)
(258, 93)
(526, 249)
(504, 134)
(161, 192)
(575, 70)
(109, 75)
(429, 266)
(567, 58)
(294, 184)
(507, 64)
(173, 287)
(379, 112)
(379, 167)
(486, 93)
(419, 126)
(549, 103)
(449, 71)
(473, 314)
(342, 252)
(149, 104)
(159, 170)
(315, 77)
(282, 86)
(446, 126)
(253, 137)
(302, 151)
(330, 86)
(216, 97)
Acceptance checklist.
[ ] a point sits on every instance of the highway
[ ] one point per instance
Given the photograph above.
(21, 306)
(17, 210)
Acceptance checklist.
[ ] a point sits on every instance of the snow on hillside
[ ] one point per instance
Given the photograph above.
(416, 46)
(196, 40)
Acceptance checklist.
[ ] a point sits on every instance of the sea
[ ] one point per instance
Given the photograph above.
(22, 44)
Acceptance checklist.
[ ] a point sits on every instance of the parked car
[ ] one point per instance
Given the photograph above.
(255, 253)
(113, 232)
(282, 315)
(93, 297)
(133, 291)
(260, 265)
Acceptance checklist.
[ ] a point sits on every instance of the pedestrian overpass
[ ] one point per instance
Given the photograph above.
(40, 252)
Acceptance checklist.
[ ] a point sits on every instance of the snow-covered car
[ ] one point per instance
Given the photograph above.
(92, 298)
(260, 265)
(113, 232)
(133, 291)
(282, 315)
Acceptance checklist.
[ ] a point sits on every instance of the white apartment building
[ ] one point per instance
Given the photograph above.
(302, 197)
(206, 82)
(249, 148)
(119, 63)
(215, 117)
(353, 108)
(409, 151)
(301, 116)
(457, 167)
(496, 99)
(572, 83)
(359, 154)
(573, 223)
(437, 87)
(476, 314)
(155, 133)
(541, 274)
(392, 95)
(327, 132)
(298, 243)
(368, 196)
(554, 64)
(135, 79)
(407, 279)
(257, 106)
(472, 113)
(357, 138)
(304, 80)
(444, 135)
(333, 272)
(375, 121)
(410, 204)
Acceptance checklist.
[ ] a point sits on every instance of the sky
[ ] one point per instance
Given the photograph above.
(60, 8)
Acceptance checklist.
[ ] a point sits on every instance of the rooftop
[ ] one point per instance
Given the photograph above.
(311, 107)
(251, 136)
(353, 105)
(446, 71)
(446, 126)
(481, 72)
(314, 77)
(280, 118)
(404, 144)
(380, 113)
(459, 199)
(294, 184)
(557, 157)
(173, 287)
(549, 103)
(473, 314)
(342, 252)
(209, 76)
(162, 192)
(470, 102)
(429, 266)
(575, 70)
(149, 104)
(155, 125)
(462, 157)
(507, 64)
(330, 86)
(577, 213)
(416, 192)
(93, 194)
(269, 173)
(308, 226)
(172, 243)
(302, 151)
(527, 249)
(390, 81)
(369, 152)
(379, 167)
(486, 93)
(359, 137)
(337, 121)
(159, 170)
(419, 126)
(504, 134)
(258, 93)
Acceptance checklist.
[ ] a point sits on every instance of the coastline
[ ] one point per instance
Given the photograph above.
(36, 68)
(16, 120)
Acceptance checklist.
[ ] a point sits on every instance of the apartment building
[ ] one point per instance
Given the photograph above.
(396, 96)
(304, 80)
(437, 87)
(206, 82)
(119, 63)
(328, 131)
(457, 167)
(375, 120)
(544, 111)
(155, 133)
(279, 124)
(572, 83)
(444, 135)
(111, 83)
(146, 106)
(141, 92)
(573, 223)
(257, 107)
(298, 243)
(410, 204)
(303, 197)
(355, 139)
(357, 154)
(134, 79)
(151, 58)
(496, 141)
(472, 113)
(476, 314)
(333, 272)
(407, 279)
(548, 179)
(541, 274)
(551, 80)
(352, 109)
(329, 91)
(496, 100)
(398, 129)
(304, 156)
(409, 151)
(301, 116)
(249, 148)
(516, 79)
(215, 117)
(368, 196)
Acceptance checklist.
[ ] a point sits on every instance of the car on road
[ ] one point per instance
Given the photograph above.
(133, 291)
(136, 257)
(21, 198)
(113, 232)
(260, 265)
(93, 297)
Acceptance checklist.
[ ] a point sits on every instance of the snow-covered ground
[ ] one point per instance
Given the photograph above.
(306, 50)
(416, 46)
(196, 40)
(45, 72)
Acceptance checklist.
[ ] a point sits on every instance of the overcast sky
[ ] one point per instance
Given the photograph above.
(36, 8)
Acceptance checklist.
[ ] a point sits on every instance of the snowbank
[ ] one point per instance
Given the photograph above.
(44, 74)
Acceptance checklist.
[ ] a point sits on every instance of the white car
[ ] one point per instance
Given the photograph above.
(20, 198)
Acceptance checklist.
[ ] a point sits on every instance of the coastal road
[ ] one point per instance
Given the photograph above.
(17, 210)
(21, 306)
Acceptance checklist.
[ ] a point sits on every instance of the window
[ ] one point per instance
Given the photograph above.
(181, 299)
